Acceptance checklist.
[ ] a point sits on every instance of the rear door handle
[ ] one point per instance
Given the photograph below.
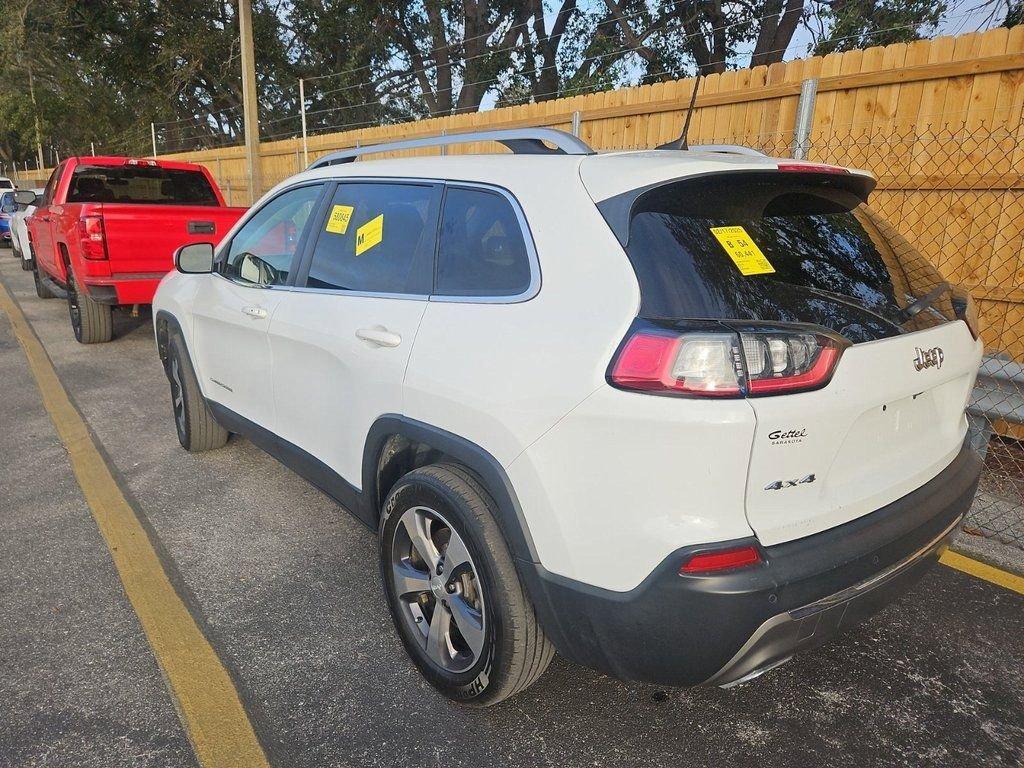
(257, 313)
(380, 336)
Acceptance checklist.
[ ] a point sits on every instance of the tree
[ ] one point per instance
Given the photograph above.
(843, 25)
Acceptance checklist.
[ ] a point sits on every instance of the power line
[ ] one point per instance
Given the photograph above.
(512, 47)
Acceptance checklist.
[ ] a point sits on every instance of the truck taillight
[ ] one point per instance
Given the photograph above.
(721, 362)
(94, 241)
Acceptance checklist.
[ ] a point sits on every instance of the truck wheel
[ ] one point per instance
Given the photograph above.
(27, 264)
(196, 427)
(42, 291)
(453, 591)
(92, 322)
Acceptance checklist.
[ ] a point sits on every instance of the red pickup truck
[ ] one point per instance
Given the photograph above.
(106, 228)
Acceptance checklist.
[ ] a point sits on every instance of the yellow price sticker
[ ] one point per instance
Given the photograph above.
(745, 254)
(370, 234)
(341, 215)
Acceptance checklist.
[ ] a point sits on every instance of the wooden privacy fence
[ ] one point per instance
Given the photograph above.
(938, 121)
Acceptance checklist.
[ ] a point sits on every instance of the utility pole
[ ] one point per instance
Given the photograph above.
(152, 132)
(35, 114)
(250, 101)
(302, 109)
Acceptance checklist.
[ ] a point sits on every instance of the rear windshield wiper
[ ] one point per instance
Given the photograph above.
(921, 304)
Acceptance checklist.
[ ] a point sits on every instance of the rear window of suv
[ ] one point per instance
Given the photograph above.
(782, 247)
(140, 184)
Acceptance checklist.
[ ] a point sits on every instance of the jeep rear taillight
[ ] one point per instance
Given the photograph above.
(691, 363)
(722, 362)
(779, 361)
(93, 239)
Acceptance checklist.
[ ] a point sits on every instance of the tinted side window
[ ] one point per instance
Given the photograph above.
(482, 251)
(140, 184)
(377, 238)
(51, 185)
(262, 251)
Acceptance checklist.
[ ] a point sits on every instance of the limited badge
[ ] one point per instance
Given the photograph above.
(743, 251)
(370, 234)
(341, 215)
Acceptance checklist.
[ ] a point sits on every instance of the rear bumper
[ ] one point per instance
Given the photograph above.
(686, 630)
(124, 288)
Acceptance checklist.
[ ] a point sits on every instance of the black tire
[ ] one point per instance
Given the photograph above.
(193, 421)
(514, 651)
(27, 264)
(42, 291)
(92, 322)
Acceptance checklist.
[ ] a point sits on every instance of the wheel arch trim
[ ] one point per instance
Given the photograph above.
(488, 470)
(163, 316)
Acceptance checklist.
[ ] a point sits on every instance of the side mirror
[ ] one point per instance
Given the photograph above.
(194, 258)
(25, 197)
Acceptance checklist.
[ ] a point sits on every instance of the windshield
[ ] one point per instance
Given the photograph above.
(140, 184)
(781, 247)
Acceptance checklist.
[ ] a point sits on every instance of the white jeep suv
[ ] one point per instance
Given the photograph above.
(676, 414)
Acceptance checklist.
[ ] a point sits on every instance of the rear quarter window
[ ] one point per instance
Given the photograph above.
(482, 251)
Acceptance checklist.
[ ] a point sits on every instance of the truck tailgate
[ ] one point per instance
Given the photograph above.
(143, 238)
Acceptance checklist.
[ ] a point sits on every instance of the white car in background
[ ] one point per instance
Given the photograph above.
(676, 414)
(19, 232)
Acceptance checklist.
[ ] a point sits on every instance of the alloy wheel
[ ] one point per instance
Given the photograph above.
(438, 589)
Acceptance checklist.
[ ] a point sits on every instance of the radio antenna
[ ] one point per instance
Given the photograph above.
(681, 142)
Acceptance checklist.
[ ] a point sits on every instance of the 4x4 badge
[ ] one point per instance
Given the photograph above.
(928, 358)
(778, 485)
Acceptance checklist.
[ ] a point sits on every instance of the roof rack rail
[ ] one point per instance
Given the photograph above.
(728, 149)
(522, 141)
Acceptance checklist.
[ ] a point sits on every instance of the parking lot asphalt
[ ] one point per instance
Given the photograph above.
(284, 585)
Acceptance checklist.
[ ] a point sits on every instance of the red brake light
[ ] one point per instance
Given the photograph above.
(94, 241)
(812, 168)
(136, 161)
(692, 363)
(781, 362)
(722, 560)
(720, 363)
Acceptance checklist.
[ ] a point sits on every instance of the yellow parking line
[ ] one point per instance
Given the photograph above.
(982, 570)
(207, 701)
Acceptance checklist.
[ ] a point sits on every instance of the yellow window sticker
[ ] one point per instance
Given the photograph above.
(370, 234)
(743, 251)
(341, 215)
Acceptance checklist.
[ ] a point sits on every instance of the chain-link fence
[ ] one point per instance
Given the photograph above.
(955, 191)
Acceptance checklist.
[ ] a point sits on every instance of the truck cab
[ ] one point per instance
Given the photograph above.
(106, 229)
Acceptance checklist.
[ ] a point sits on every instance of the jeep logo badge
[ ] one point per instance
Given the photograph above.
(928, 358)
